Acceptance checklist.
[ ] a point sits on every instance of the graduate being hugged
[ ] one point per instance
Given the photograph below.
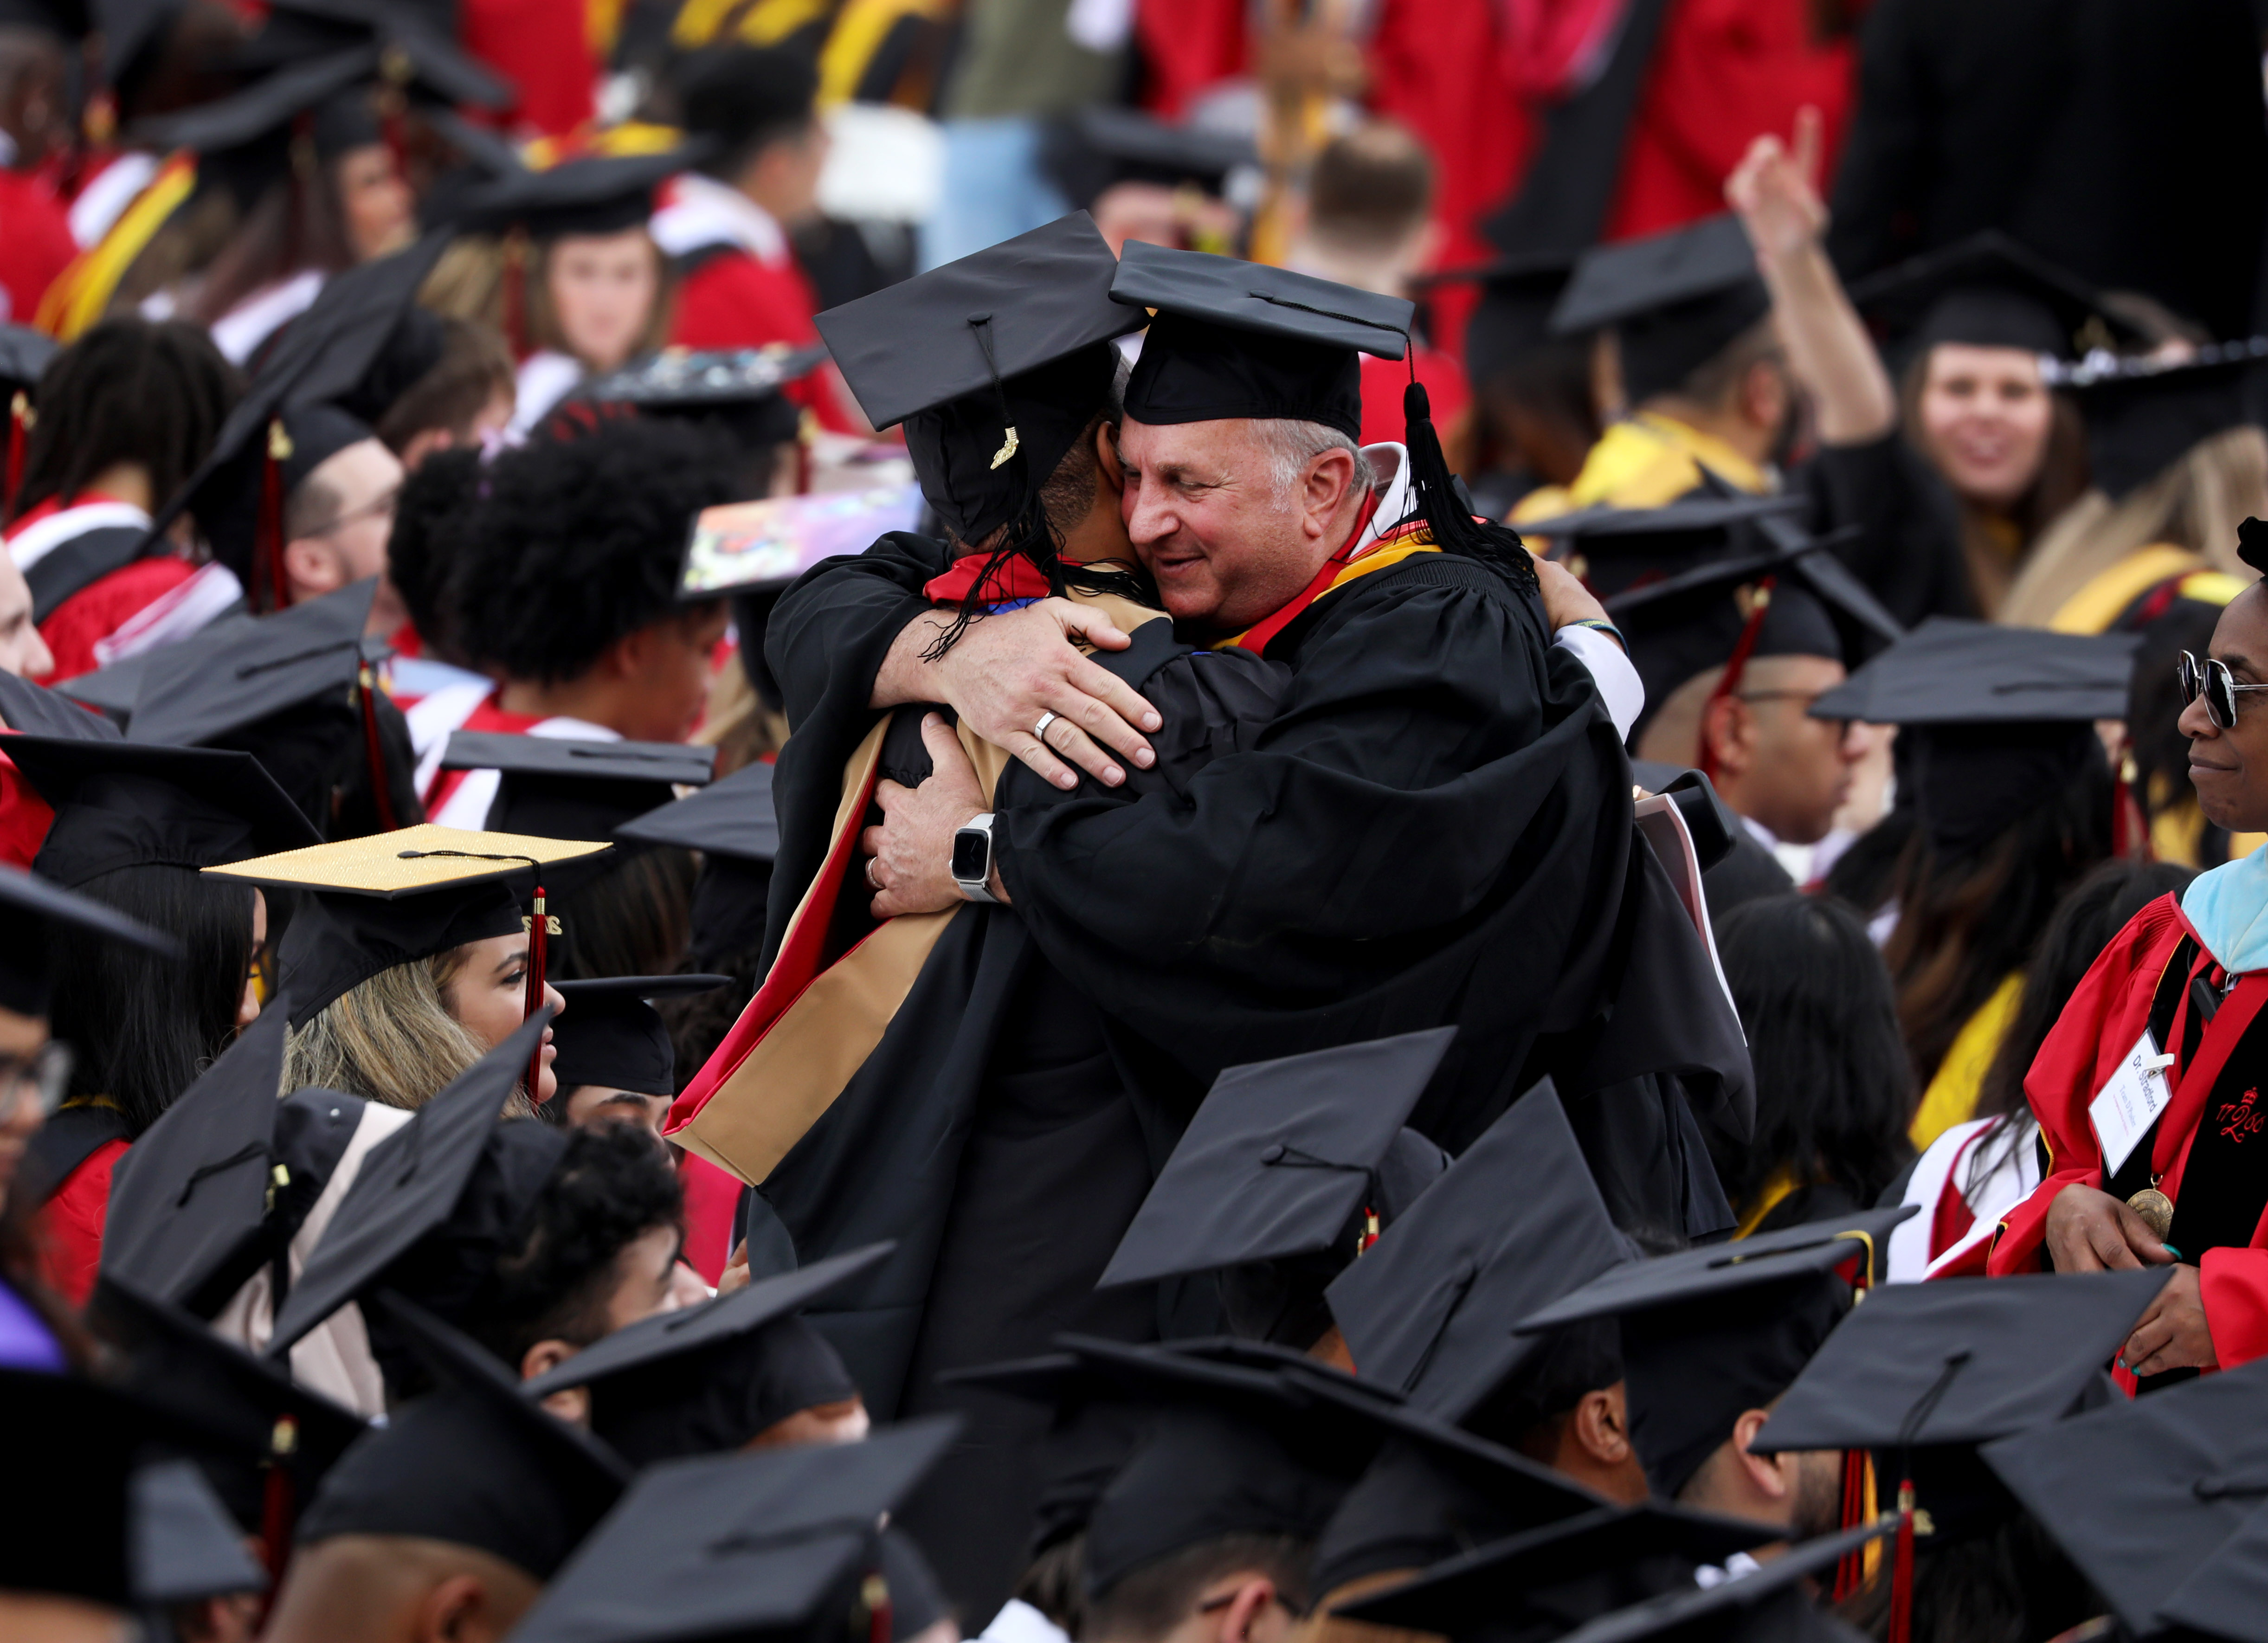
(2148, 1088)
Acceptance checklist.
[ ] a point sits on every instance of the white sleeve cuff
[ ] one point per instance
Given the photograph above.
(1611, 671)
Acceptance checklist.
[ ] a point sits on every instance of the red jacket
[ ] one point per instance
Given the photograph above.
(35, 243)
(2097, 1028)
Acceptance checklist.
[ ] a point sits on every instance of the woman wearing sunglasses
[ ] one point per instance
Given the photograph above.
(2148, 1090)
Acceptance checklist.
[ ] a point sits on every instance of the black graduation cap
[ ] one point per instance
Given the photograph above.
(1237, 339)
(1923, 1372)
(190, 1201)
(29, 706)
(30, 908)
(1512, 319)
(1675, 300)
(472, 1464)
(222, 684)
(556, 788)
(239, 1419)
(120, 805)
(601, 194)
(1138, 147)
(1616, 550)
(2001, 720)
(1278, 1156)
(715, 1376)
(2140, 1492)
(78, 1442)
(733, 818)
(1571, 1571)
(1712, 1332)
(412, 1183)
(994, 362)
(688, 382)
(1769, 1604)
(1515, 1223)
(2223, 1599)
(266, 108)
(393, 898)
(182, 1545)
(2142, 415)
(415, 55)
(761, 1545)
(128, 28)
(612, 1037)
(1988, 292)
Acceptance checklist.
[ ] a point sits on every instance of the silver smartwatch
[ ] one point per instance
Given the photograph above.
(972, 859)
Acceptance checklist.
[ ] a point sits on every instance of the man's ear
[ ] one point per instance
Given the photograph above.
(627, 657)
(1329, 477)
(455, 1610)
(312, 568)
(1254, 1594)
(1601, 1425)
(1765, 1476)
(1727, 733)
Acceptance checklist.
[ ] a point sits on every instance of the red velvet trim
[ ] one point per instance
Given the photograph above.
(1018, 578)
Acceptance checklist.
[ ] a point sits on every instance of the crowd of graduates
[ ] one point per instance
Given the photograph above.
(1156, 821)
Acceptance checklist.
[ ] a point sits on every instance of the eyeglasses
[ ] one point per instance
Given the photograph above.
(383, 508)
(44, 1077)
(2212, 681)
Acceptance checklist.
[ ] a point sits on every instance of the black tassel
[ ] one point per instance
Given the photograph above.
(1433, 497)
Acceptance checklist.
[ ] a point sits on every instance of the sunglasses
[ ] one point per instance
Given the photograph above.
(2212, 681)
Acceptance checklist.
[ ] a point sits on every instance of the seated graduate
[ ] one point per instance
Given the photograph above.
(37, 1331)
(133, 825)
(1834, 1090)
(562, 584)
(1708, 1347)
(125, 414)
(536, 1242)
(448, 1521)
(2163, 1181)
(615, 1063)
(2011, 804)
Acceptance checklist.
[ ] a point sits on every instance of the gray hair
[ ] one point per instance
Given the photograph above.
(1290, 445)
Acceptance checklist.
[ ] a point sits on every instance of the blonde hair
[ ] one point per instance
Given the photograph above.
(389, 1039)
(2195, 503)
(468, 283)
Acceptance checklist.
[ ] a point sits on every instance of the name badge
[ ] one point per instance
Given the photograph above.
(2131, 1101)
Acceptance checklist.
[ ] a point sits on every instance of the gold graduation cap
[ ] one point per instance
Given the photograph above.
(409, 860)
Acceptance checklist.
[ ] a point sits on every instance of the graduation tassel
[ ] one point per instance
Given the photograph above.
(277, 1512)
(874, 1593)
(267, 547)
(1851, 1570)
(2130, 822)
(1433, 496)
(19, 423)
(1900, 1626)
(1735, 667)
(538, 930)
(394, 70)
(380, 796)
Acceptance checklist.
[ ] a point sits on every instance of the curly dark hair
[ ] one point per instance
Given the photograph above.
(127, 391)
(432, 503)
(613, 1185)
(575, 542)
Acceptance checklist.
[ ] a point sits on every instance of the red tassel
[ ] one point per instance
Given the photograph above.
(20, 420)
(277, 1509)
(394, 70)
(537, 932)
(2130, 822)
(268, 546)
(515, 293)
(1851, 1570)
(876, 1596)
(1900, 1628)
(1734, 668)
(380, 795)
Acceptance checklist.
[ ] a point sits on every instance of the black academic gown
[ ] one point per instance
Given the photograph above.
(995, 1133)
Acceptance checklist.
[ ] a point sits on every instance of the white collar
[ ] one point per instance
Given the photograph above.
(1390, 465)
(703, 212)
(28, 544)
(1761, 834)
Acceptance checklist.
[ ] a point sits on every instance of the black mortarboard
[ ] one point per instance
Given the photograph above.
(589, 194)
(1616, 550)
(744, 389)
(2142, 415)
(2227, 1595)
(30, 910)
(1234, 339)
(394, 898)
(24, 355)
(416, 53)
(1709, 1333)
(127, 29)
(2001, 720)
(1923, 1372)
(996, 363)
(1280, 1154)
(119, 805)
(1675, 300)
(1771, 1603)
(612, 1037)
(1516, 1223)
(237, 1417)
(717, 1376)
(1988, 292)
(758, 1545)
(472, 1464)
(1567, 1572)
(411, 1185)
(182, 1545)
(733, 817)
(266, 108)
(76, 1443)
(190, 1201)
(555, 788)
(1512, 319)
(31, 707)
(2140, 1492)
(1137, 147)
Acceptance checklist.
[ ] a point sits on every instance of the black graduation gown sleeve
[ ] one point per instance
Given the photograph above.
(1434, 828)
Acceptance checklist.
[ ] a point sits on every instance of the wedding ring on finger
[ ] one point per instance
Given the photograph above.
(873, 879)
(1040, 730)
